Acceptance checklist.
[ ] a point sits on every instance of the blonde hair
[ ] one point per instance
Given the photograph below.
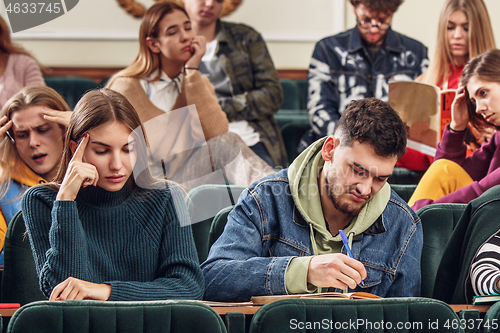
(481, 38)
(35, 95)
(147, 62)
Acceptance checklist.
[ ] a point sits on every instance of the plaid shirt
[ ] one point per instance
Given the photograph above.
(243, 55)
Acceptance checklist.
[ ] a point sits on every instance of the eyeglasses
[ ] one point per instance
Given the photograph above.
(368, 25)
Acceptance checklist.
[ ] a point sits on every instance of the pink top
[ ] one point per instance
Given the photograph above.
(21, 70)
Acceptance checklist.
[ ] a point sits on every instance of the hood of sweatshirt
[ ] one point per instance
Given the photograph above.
(303, 179)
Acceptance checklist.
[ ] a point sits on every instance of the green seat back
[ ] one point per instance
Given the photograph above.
(218, 224)
(292, 133)
(303, 86)
(438, 222)
(71, 88)
(204, 202)
(285, 117)
(290, 94)
(405, 191)
(116, 317)
(405, 176)
(20, 280)
(491, 320)
(344, 315)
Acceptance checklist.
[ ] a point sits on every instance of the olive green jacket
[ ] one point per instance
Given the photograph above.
(243, 55)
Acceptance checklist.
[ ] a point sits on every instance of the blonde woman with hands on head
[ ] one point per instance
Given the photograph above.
(31, 144)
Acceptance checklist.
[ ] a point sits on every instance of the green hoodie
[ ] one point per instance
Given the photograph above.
(303, 180)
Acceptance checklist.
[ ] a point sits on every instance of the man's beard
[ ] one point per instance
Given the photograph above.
(342, 207)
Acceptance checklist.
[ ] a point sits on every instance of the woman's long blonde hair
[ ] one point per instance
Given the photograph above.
(481, 38)
(35, 95)
(147, 62)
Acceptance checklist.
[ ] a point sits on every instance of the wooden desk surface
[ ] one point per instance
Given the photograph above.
(7, 312)
(250, 310)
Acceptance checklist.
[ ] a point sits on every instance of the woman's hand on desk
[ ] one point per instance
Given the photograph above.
(76, 289)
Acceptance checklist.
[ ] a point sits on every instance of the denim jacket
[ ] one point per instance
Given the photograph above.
(342, 70)
(265, 232)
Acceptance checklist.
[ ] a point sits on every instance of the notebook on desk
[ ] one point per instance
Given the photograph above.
(261, 300)
(482, 299)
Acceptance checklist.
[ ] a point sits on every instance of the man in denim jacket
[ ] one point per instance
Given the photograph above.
(359, 63)
(283, 235)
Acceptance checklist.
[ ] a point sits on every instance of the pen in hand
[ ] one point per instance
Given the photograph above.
(346, 244)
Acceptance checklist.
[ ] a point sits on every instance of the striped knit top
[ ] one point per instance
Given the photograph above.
(485, 267)
(137, 241)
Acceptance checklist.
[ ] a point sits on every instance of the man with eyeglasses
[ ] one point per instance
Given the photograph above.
(359, 63)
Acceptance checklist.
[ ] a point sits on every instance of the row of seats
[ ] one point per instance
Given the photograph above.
(287, 315)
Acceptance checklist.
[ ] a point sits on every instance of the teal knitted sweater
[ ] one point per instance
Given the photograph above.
(137, 241)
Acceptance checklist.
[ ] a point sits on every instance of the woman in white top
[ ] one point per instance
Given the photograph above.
(190, 145)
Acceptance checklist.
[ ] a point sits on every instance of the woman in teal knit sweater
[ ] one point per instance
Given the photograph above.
(105, 229)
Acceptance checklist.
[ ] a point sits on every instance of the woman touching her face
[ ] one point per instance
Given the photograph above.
(454, 177)
(164, 77)
(105, 229)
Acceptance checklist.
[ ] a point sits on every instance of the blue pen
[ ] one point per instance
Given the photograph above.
(346, 244)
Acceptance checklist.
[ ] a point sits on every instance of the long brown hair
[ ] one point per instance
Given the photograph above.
(486, 67)
(147, 62)
(27, 97)
(96, 108)
(481, 38)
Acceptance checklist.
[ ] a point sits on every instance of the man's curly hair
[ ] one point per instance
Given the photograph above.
(379, 6)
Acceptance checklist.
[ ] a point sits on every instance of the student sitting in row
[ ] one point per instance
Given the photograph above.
(453, 177)
(31, 143)
(464, 31)
(165, 77)
(105, 229)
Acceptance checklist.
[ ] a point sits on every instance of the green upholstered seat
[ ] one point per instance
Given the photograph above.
(20, 280)
(292, 133)
(218, 224)
(337, 315)
(405, 191)
(290, 94)
(116, 317)
(71, 88)
(492, 319)
(204, 202)
(285, 117)
(405, 176)
(303, 86)
(438, 222)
